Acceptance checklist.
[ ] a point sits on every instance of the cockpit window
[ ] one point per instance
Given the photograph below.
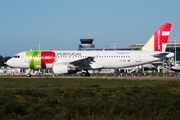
(16, 56)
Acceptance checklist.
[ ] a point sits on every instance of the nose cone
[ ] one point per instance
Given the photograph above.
(10, 62)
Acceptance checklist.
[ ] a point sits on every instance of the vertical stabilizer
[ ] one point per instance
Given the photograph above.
(159, 40)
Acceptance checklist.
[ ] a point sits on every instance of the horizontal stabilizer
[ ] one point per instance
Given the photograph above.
(160, 54)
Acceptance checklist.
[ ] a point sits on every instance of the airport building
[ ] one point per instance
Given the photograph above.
(86, 43)
(161, 66)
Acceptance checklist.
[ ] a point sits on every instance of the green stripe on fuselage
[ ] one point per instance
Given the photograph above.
(34, 58)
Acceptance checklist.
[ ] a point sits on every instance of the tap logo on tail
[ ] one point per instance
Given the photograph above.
(159, 40)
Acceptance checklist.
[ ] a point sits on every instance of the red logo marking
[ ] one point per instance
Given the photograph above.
(47, 57)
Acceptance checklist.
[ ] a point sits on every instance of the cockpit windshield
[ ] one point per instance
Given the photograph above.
(16, 56)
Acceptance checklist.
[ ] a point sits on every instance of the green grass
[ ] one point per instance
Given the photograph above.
(23, 83)
(90, 99)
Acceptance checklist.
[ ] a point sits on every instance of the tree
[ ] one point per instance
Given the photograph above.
(6, 59)
(1, 61)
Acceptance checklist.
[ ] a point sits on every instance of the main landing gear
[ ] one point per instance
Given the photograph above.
(85, 74)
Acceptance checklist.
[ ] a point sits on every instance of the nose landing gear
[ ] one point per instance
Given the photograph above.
(29, 74)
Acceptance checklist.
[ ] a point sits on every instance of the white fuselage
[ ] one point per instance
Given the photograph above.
(105, 59)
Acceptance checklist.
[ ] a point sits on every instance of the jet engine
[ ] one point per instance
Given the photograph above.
(63, 69)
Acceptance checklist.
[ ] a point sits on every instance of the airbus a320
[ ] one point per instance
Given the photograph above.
(69, 62)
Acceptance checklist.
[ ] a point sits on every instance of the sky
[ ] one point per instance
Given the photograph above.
(59, 24)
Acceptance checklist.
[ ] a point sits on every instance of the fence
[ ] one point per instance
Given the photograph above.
(175, 74)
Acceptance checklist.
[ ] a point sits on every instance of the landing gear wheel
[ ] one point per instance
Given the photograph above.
(28, 75)
(83, 74)
(87, 74)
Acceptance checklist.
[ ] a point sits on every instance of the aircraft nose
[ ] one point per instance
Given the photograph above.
(9, 62)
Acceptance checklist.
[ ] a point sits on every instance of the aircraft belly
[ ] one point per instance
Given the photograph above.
(37, 66)
(48, 65)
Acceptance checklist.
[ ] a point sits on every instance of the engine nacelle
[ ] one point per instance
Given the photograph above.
(63, 69)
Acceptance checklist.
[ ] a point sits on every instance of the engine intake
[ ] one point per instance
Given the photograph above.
(63, 69)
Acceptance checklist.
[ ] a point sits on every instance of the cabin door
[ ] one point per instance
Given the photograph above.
(138, 57)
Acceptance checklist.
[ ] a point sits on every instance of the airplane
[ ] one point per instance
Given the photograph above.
(69, 62)
(172, 67)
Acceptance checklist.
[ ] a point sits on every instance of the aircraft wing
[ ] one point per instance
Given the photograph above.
(85, 62)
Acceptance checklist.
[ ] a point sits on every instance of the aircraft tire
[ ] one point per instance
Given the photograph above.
(28, 75)
(83, 74)
(88, 74)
